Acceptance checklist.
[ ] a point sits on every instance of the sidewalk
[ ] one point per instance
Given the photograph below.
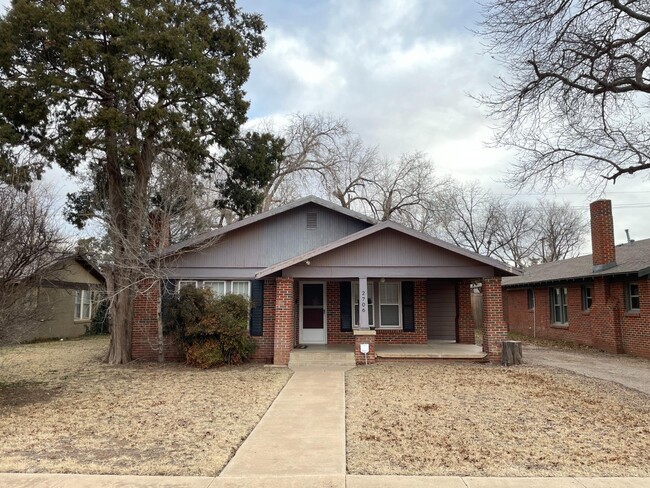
(302, 433)
(92, 481)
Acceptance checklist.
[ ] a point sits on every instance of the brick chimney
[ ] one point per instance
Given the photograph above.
(159, 231)
(602, 235)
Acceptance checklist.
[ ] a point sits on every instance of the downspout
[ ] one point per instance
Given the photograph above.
(161, 339)
(534, 316)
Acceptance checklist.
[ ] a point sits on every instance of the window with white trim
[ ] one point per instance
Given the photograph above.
(187, 284)
(559, 305)
(218, 288)
(83, 304)
(241, 288)
(632, 300)
(355, 304)
(390, 305)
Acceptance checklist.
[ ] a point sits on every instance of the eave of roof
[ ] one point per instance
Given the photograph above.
(377, 228)
(633, 259)
(262, 216)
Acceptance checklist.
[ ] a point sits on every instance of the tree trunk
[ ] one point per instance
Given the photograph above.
(121, 310)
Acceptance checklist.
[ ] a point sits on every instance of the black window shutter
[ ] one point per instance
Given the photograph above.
(257, 310)
(408, 306)
(345, 304)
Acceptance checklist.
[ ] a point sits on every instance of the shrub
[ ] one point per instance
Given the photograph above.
(205, 354)
(100, 321)
(213, 330)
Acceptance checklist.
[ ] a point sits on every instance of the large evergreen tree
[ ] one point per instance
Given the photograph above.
(107, 86)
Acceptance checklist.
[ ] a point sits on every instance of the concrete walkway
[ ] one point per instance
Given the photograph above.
(625, 370)
(97, 481)
(302, 433)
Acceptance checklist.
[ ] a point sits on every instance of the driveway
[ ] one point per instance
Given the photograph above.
(625, 370)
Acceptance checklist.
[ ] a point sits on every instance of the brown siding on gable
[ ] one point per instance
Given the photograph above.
(441, 310)
(243, 252)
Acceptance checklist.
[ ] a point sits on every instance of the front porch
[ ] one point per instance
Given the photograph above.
(343, 355)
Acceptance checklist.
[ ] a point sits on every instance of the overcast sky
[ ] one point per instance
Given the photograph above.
(400, 71)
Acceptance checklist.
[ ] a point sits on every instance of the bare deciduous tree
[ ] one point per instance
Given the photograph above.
(31, 246)
(311, 149)
(575, 99)
(400, 189)
(470, 218)
(562, 230)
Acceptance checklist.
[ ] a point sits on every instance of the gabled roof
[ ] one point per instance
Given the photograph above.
(632, 258)
(377, 228)
(213, 234)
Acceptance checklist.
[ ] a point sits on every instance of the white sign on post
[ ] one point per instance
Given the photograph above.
(363, 304)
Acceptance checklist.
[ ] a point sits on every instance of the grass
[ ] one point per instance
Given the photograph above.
(63, 411)
(482, 420)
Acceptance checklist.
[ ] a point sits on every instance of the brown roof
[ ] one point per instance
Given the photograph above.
(632, 258)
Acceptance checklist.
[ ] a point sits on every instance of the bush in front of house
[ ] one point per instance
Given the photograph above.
(213, 331)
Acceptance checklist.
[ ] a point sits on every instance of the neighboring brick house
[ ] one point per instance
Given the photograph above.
(601, 300)
(318, 273)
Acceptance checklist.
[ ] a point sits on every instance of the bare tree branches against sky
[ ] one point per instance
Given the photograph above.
(400, 71)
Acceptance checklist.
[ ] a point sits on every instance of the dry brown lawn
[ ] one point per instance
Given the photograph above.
(62, 410)
(482, 420)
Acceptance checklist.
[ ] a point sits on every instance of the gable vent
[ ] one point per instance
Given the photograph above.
(312, 220)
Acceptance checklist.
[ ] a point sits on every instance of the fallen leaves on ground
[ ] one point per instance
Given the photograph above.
(482, 420)
(62, 410)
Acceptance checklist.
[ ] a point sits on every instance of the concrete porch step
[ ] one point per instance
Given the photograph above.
(314, 357)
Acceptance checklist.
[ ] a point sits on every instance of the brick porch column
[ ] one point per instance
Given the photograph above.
(283, 339)
(464, 317)
(495, 329)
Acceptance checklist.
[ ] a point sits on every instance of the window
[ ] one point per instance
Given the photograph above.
(389, 305)
(355, 304)
(82, 305)
(187, 284)
(586, 297)
(531, 299)
(632, 301)
(559, 306)
(218, 288)
(241, 288)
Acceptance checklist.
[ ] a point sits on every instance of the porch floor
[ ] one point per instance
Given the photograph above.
(430, 350)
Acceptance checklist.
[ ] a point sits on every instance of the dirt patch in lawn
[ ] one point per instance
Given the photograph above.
(64, 411)
(481, 420)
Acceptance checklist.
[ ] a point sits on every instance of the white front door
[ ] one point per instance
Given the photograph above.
(313, 315)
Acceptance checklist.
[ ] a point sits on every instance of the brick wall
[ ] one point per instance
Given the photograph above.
(635, 326)
(606, 326)
(144, 339)
(464, 317)
(334, 334)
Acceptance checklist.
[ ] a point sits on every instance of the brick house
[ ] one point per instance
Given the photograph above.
(600, 300)
(320, 274)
